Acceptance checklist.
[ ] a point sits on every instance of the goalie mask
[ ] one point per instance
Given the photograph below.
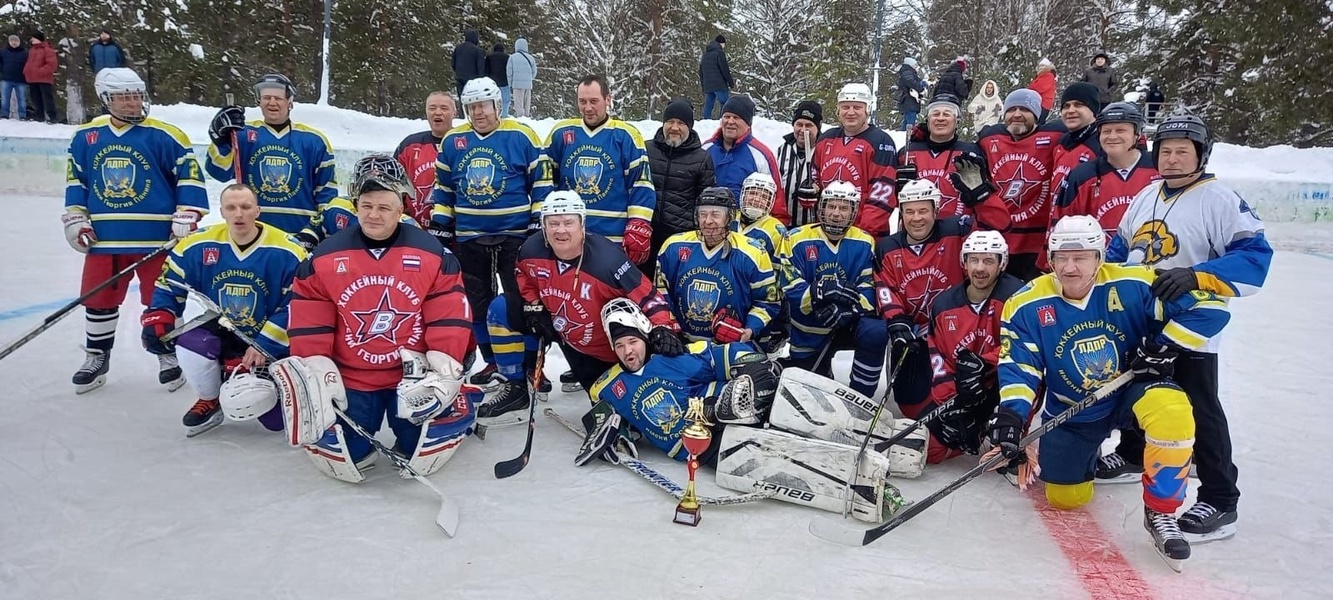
(757, 195)
(245, 396)
(838, 205)
(375, 172)
(124, 94)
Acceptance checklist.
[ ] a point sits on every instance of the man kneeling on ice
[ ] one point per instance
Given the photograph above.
(808, 462)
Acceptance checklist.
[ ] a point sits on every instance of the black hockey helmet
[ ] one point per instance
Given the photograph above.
(1122, 112)
(375, 172)
(717, 196)
(275, 80)
(1189, 127)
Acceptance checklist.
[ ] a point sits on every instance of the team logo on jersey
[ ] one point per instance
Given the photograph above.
(588, 176)
(618, 388)
(240, 302)
(118, 178)
(274, 174)
(576, 326)
(1096, 359)
(1021, 178)
(381, 322)
(90, 137)
(683, 253)
(661, 409)
(1154, 241)
(460, 143)
(1046, 315)
(211, 256)
(341, 262)
(701, 300)
(341, 222)
(252, 135)
(811, 253)
(951, 322)
(479, 180)
(569, 136)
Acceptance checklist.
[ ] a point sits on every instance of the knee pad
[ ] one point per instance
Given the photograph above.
(1068, 496)
(1164, 413)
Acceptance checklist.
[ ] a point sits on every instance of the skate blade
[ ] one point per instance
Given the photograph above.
(175, 384)
(570, 388)
(543, 396)
(1224, 532)
(1122, 478)
(508, 419)
(212, 422)
(1176, 564)
(96, 383)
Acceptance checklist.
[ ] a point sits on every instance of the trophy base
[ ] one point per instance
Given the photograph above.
(687, 516)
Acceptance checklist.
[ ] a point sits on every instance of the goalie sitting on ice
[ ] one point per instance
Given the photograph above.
(807, 462)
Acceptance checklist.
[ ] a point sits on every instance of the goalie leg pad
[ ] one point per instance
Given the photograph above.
(907, 458)
(802, 471)
(308, 389)
(441, 436)
(331, 457)
(818, 407)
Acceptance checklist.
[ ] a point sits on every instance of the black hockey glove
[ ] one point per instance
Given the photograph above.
(539, 322)
(228, 120)
(906, 173)
(901, 334)
(1154, 361)
(958, 427)
(765, 376)
(307, 238)
(1174, 283)
(969, 378)
(534, 228)
(607, 435)
(666, 342)
(444, 234)
(829, 291)
(807, 194)
(1005, 430)
(833, 316)
(971, 179)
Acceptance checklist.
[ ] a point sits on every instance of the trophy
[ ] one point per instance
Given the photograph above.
(696, 437)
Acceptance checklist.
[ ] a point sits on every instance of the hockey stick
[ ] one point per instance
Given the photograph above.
(654, 477)
(56, 316)
(208, 315)
(511, 467)
(836, 531)
(446, 519)
(870, 431)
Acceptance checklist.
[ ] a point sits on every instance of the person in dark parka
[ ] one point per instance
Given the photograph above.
(681, 171)
(469, 60)
(715, 75)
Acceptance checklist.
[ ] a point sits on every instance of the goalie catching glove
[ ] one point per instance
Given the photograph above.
(430, 384)
(607, 434)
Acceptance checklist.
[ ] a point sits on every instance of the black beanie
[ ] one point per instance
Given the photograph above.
(680, 108)
(618, 331)
(741, 106)
(1083, 92)
(810, 111)
(39, 36)
(719, 39)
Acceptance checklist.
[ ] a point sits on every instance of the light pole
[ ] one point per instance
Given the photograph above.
(879, 51)
(324, 74)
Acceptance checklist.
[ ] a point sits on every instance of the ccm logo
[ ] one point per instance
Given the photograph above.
(783, 490)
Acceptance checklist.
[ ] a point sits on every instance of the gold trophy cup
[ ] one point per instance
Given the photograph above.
(695, 437)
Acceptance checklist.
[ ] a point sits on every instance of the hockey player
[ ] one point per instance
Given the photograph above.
(379, 324)
(957, 168)
(914, 266)
(132, 184)
(417, 153)
(565, 276)
(758, 194)
(1080, 144)
(964, 341)
(1020, 154)
(830, 291)
(247, 269)
(862, 155)
(1103, 187)
(720, 285)
(489, 173)
(1079, 327)
(1200, 236)
(289, 164)
(340, 213)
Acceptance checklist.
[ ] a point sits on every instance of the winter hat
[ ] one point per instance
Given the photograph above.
(39, 36)
(1083, 92)
(719, 39)
(741, 106)
(909, 61)
(14, 38)
(1023, 98)
(679, 108)
(498, 47)
(106, 30)
(618, 330)
(809, 110)
(1045, 63)
(961, 62)
(945, 100)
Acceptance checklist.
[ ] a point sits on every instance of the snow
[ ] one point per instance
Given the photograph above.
(197, 51)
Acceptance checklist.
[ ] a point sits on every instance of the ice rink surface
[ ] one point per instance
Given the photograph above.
(103, 497)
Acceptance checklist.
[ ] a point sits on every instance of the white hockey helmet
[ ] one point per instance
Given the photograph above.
(856, 92)
(120, 81)
(757, 205)
(985, 242)
(481, 89)
(920, 190)
(623, 311)
(563, 202)
(245, 396)
(1077, 232)
(840, 191)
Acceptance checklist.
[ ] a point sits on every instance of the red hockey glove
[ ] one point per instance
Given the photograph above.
(728, 328)
(638, 240)
(157, 323)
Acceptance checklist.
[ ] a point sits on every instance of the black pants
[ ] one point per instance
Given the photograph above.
(911, 388)
(1023, 266)
(586, 369)
(482, 258)
(42, 96)
(1196, 373)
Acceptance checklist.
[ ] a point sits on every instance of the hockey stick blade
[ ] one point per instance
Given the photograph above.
(838, 531)
(513, 466)
(208, 315)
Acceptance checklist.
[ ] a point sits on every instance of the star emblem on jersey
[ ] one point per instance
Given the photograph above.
(382, 321)
(1020, 184)
(926, 297)
(564, 324)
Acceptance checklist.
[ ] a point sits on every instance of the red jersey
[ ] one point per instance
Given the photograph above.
(909, 276)
(866, 160)
(417, 155)
(934, 162)
(1099, 190)
(1021, 170)
(575, 292)
(358, 305)
(1074, 149)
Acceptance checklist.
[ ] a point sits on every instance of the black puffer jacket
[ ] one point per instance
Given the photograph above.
(953, 82)
(679, 174)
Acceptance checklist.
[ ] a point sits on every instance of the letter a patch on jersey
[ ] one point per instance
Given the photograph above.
(618, 388)
(211, 256)
(1046, 315)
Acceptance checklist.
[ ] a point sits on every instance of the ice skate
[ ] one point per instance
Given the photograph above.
(92, 374)
(203, 416)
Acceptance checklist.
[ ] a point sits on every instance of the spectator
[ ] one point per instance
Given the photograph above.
(1155, 101)
(796, 182)
(715, 78)
(468, 61)
(910, 87)
(40, 72)
(736, 153)
(953, 82)
(521, 72)
(1044, 84)
(1103, 76)
(681, 170)
(106, 53)
(988, 107)
(497, 68)
(12, 60)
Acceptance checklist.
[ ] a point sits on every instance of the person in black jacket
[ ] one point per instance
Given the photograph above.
(497, 68)
(715, 76)
(12, 60)
(953, 82)
(681, 170)
(910, 88)
(1155, 101)
(469, 60)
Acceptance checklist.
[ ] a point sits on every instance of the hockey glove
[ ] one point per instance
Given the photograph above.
(1154, 361)
(901, 334)
(183, 223)
(969, 377)
(666, 342)
(229, 119)
(829, 291)
(764, 375)
(607, 434)
(905, 174)
(1171, 284)
(728, 327)
(969, 178)
(444, 234)
(157, 323)
(808, 194)
(534, 228)
(638, 241)
(1005, 430)
(958, 427)
(78, 230)
(832, 316)
(539, 322)
(307, 238)
(919, 133)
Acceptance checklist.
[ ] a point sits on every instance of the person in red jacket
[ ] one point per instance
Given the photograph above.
(417, 153)
(860, 154)
(964, 341)
(1044, 84)
(1104, 187)
(40, 71)
(935, 153)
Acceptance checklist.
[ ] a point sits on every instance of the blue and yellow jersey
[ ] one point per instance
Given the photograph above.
(808, 257)
(251, 286)
(768, 231)
(1073, 347)
(340, 214)
(489, 184)
(655, 398)
(130, 180)
(698, 282)
(608, 168)
(291, 170)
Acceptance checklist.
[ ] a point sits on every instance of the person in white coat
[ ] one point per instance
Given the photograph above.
(522, 71)
(987, 107)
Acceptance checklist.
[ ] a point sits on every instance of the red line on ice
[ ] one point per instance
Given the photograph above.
(1101, 568)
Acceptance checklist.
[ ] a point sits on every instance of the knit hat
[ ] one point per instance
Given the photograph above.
(618, 331)
(1023, 98)
(719, 39)
(945, 100)
(809, 110)
(1083, 92)
(909, 61)
(1045, 63)
(741, 106)
(680, 108)
(961, 62)
(39, 36)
